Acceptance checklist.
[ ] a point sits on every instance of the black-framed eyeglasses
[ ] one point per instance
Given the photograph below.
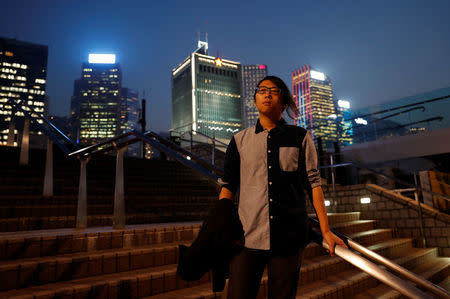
(271, 90)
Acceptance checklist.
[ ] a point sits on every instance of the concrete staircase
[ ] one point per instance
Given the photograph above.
(140, 262)
(155, 191)
(42, 255)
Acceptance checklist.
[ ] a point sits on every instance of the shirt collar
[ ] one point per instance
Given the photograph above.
(259, 128)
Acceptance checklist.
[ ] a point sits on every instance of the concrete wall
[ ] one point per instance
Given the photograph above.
(395, 211)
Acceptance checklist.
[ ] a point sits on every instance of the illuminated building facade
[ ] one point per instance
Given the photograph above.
(129, 116)
(313, 95)
(251, 75)
(344, 123)
(23, 74)
(206, 95)
(96, 103)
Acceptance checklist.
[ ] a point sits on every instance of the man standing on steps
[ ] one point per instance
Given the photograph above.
(274, 167)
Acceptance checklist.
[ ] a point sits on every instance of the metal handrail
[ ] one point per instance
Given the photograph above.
(162, 145)
(387, 279)
(53, 137)
(357, 165)
(204, 135)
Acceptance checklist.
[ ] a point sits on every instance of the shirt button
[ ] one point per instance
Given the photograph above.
(270, 183)
(268, 136)
(268, 151)
(270, 200)
(270, 166)
(271, 217)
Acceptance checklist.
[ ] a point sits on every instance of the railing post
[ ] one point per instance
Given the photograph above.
(332, 173)
(25, 144)
(213, 149)
(12, 128)
(119, 197)
(416, 196)
(48, 178)
(82, 196)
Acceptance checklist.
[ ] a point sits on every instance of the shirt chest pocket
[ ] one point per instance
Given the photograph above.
(289, 158)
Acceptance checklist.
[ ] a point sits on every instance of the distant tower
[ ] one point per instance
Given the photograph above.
(251, 75)
(344, 123)
(313, 95)
(23, 74)
(100, 107)
(206, 95)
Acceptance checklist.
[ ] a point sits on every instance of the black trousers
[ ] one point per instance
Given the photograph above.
(246, 270)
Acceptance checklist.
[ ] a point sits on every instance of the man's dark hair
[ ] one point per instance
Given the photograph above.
(292, 109)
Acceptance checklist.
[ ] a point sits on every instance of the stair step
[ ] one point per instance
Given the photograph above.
(93, 263)
(85, 264)
(32, 244)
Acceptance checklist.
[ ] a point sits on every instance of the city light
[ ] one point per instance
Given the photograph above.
(344, 104)
(365, 200)
(262, 67)
(102, 58)
(327, 203)
(332, 116)
(361, 121)
(218, 62)
(317, 75)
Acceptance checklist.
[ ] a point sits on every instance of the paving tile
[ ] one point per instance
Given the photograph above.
(157, 281)
(80, 267)
(109, 263)
(9, 277)
(64, 244)
(144, 285)
(48, 245)
(14, 248)
(123, 261)
(170, 282)
(117, 239)
(104, 241)
(99, 290)
(46, 272)
(63, 269)
(95, 264)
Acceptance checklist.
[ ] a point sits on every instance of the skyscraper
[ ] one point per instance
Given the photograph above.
(344, 123)
(313, 94)
(129, 117)
(251, 75)
(96, 103)
(206, 95)
(23, 74)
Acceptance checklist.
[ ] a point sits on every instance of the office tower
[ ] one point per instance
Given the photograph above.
(23, 74)
(96, 103)
(313, 94)
(344, 123)
(251, 75)
(129, 116)
(206, 95)
(129, 110)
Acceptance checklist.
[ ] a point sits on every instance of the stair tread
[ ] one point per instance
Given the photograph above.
(90, 230)
(104, 278)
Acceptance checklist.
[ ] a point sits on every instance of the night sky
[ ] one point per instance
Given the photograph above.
(373, 51)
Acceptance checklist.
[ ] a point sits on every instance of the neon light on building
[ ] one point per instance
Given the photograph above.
(102, 58)
(313, 95)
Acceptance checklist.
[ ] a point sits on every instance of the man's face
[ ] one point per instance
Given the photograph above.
(268, 99)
